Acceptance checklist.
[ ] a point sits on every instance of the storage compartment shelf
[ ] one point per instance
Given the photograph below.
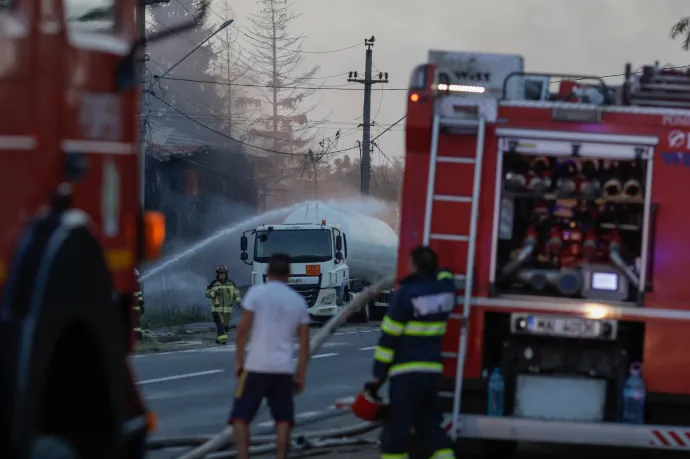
(570, 227)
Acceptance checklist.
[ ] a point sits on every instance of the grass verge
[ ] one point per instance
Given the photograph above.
(172, 316)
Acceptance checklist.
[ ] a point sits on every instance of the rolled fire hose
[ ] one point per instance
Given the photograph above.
(612, 188)
(539, 184)
(632, 189)
(589, 187)
(566, 186)
(316, 342)
(513, 180)
(617, 259)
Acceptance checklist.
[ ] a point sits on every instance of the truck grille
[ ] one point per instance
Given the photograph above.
(309, 292)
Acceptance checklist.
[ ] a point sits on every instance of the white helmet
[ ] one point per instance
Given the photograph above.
(136, 272)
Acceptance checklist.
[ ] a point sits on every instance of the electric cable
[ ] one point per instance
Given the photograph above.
(268, 150)
(344, 87)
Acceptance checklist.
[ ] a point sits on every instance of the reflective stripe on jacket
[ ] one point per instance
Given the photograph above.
(413, 328)
(137, 309)
(223, 295)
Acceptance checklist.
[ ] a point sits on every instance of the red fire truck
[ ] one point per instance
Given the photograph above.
(72, 229)
(557, 201)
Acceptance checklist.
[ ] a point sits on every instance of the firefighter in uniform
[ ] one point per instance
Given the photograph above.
(223, 294)
(138, 307)
(408, 354)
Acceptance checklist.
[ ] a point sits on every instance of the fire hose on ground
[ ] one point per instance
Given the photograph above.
(225, 437)
(198, 440)
(309, 440)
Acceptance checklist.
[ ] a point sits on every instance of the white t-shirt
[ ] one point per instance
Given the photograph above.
(278, 311)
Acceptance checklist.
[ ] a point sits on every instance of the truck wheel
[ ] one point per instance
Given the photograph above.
(64, 370)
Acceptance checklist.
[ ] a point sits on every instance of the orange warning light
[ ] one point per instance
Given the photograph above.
(313, 270)
(414, 97)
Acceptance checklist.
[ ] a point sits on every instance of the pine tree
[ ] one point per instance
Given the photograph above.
(278, 59)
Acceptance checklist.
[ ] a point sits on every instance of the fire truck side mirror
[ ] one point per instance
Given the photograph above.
(243, 243)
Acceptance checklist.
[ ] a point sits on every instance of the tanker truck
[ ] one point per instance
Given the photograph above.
(335, 255)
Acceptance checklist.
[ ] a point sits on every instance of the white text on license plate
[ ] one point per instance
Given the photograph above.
(562, 326)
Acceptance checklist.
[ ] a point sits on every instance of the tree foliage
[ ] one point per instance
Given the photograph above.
(681, 30)
(198, 100)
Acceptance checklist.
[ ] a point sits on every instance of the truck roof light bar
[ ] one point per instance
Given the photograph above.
(461, 88)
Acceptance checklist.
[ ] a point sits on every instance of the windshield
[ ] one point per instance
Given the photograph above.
(303, 246)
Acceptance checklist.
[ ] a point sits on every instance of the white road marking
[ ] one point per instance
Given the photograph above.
(173, 378)
(368, 348)
(319, 356)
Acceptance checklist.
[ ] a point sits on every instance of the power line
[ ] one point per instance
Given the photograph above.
(234, 139)
(261, 148)
(344, 87)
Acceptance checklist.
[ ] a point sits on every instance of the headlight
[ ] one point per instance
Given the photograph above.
(328, 299)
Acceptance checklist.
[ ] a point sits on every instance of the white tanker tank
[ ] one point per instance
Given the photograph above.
(372, 245)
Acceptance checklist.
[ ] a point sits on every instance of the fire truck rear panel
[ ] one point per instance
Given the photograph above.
(652, 329)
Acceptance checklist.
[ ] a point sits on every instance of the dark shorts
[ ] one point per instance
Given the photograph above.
(251, 390)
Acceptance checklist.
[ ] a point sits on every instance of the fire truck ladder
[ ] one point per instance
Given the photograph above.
(657, 87)
(475, 126)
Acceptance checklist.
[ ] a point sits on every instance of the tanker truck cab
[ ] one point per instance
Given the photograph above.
(336, 253)
(319, 262)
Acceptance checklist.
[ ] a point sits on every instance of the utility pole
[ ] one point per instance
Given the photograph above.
(365, 164)
(142, 58)
(229, 95)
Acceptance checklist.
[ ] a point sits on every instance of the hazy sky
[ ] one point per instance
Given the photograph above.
(578, 36)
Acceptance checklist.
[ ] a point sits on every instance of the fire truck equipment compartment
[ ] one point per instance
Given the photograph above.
(570, 226)
(560, 398)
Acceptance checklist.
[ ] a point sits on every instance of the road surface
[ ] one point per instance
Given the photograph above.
(191, 392)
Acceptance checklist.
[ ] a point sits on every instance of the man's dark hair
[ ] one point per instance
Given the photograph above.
(279, 265)
(425, 259)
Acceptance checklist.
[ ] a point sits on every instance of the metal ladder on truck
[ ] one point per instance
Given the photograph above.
(467, 125)
(657, 87)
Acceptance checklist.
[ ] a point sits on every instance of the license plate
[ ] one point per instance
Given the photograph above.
(564, 326)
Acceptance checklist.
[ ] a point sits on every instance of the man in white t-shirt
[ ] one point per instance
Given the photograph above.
(273, 313)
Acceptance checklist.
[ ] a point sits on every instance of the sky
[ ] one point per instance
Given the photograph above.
(594, 37)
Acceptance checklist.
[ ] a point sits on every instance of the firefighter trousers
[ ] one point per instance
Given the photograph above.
(222, 321)
(414, 405)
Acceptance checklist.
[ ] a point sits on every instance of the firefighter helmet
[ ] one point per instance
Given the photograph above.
(369, 408)
(221, 269)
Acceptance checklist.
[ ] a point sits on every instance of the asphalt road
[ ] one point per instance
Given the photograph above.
(191, 392)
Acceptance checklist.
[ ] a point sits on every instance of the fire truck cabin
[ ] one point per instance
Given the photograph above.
(557, 200)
